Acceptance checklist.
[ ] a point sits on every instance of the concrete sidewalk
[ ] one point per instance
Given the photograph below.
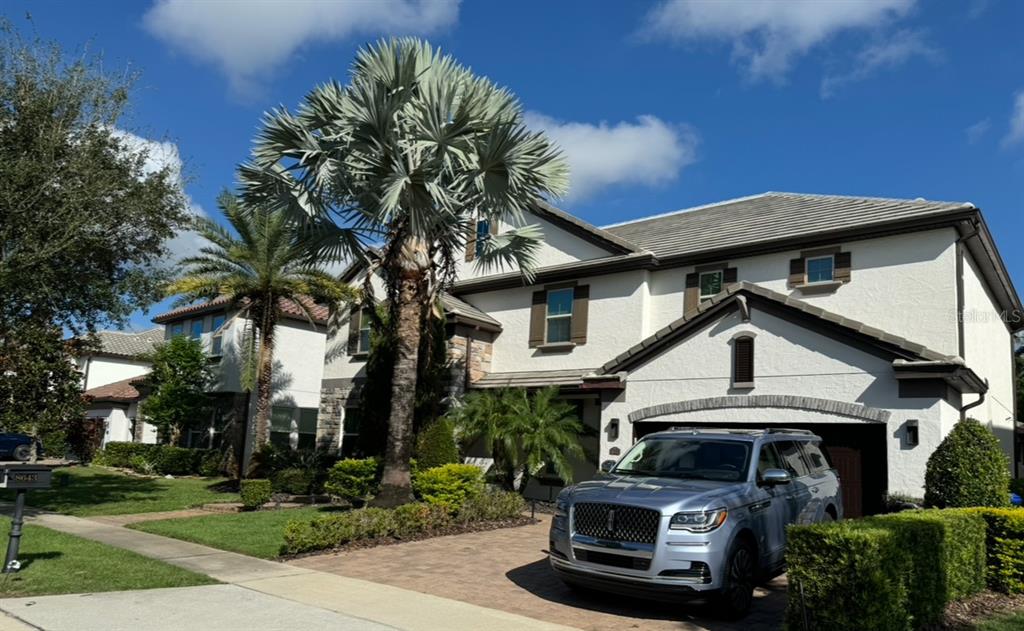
(348, 598)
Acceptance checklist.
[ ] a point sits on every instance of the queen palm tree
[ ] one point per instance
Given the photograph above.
(407, 157)
(266, 264)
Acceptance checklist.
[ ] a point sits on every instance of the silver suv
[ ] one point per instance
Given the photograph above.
(693, 512)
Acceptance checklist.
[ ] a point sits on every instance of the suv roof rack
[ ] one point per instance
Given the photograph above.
(736, 430)
(789, 430)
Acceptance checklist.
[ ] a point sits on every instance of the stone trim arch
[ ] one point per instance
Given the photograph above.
(828, 406)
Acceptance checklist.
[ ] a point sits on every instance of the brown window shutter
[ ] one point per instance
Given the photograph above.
(580, 307)
(353, 330)
(538, 311)
(842, 267)
(729, 275)
(471, 243)
(743, 360)
(691, 297)
(797, 272)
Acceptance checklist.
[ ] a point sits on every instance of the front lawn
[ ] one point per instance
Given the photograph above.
(1010, 622)
(99, 491)
(57, 563)
(258, 534)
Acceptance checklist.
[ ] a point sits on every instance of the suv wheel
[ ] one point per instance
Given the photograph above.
(738, 582)
(22, 453)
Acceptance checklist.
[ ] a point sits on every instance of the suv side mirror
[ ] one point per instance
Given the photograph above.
(775, 477)
(607, 466)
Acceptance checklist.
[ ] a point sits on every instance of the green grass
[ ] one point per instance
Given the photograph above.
(57, 563)
(1006, 622)
(99, 491)
(258, 534)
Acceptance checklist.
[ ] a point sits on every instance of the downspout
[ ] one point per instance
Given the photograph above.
(974, 404)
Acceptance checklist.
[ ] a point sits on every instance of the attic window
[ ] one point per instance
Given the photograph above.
(820, 269)
(710, 284)
(743, 362)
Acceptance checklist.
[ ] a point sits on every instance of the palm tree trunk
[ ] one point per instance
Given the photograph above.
(396, 483)
(264, 377)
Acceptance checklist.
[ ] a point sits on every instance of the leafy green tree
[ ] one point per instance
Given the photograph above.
(523, 432)
(266, 262)
(408, 155)
(968, 468)
(180, 381)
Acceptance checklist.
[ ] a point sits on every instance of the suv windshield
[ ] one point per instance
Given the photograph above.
(685, 457)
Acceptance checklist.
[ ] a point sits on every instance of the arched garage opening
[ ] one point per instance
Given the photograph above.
(854, 435)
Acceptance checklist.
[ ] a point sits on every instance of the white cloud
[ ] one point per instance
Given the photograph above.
(1016, 133)
(648, 152)
(894, 50)
(767, 37)
(161, 155)
(248, 40)
(978, 130)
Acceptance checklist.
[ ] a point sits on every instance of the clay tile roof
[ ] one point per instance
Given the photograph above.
(127, 344)
(287, 308)
(123, 390)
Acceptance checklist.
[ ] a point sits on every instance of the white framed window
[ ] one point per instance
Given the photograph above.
(364, 332)
(820, 269)
(710, 283)
(559, 316)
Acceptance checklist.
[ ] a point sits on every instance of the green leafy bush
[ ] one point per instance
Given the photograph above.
(491, 506)
(1005, 547)
(846, 576)
(419, 517)
(353, 480)
(293, 480)
(210, 464)
(141, 464)
(449, 485)
(435, 446)
(120, 454)
(255, 493)
(175, 460)
(968, 468)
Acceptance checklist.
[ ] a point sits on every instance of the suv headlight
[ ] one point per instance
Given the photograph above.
(703, 521)
(561, 507)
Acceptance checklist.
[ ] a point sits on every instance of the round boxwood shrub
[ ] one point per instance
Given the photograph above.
(967, 469)
(353, 480)
(450, 485)
(255, 493)
(436, 446)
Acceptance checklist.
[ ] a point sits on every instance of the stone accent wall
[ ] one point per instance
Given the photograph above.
(334, 395)
(468, 364)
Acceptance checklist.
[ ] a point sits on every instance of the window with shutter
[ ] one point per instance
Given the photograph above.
(743, 362)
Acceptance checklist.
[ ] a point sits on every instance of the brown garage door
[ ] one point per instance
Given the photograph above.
(847, 463)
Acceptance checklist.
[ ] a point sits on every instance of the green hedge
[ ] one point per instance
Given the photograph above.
(163, 459)
(118, 454)
(1005, 546)
(255, 493)
(353, 480)
(293, 480)
(449, 485)
(331, 531)
(895, 571)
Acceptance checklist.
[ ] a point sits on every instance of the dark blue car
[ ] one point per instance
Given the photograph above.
(18, 447)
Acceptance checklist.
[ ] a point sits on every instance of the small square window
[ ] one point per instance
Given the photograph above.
(178, 328)
(820, 269)
(710, 284)
(559, 315)
(196, 330)
(364, 332)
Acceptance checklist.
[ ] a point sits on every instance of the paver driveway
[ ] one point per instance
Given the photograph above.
(507, 570)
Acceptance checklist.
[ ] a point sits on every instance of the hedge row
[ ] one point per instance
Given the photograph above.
(1005, 548)
(448, 485)
(894, 572)
(163, 459)
(332, 531)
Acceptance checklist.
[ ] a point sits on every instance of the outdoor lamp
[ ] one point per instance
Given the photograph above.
(912, 433)
(613, 429)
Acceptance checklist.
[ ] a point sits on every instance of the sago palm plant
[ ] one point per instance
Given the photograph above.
(265, 264)
(407, 157)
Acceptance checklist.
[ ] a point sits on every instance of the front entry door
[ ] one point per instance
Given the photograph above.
(847, 463)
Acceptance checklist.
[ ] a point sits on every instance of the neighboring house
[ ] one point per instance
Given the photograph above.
(110, 377)
(876, 323)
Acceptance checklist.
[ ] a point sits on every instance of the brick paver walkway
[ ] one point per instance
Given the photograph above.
(507, 569)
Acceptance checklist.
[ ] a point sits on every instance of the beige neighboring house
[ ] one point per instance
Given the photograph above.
(111, 377)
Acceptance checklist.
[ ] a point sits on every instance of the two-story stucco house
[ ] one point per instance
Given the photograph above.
(876, 323)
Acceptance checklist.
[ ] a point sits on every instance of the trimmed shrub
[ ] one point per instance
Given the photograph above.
(968, 468)
(946, 549)
(120, 454)
(436, 446)
(210, 464)
(353, 480)
(491, 506)
(449, 485)
(846, 576)
(420, 517)
(140, 464)
(294, 480)
(1005, 548)
(175, 460)
(255, 493)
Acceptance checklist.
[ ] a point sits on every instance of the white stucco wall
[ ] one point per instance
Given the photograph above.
(118, 425)
(891, 277)
(988, 351)
(100, 371)
(789, 360)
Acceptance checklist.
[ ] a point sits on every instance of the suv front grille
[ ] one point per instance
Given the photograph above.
(616, 522)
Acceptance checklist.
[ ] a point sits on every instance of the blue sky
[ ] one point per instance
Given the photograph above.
(659, 105)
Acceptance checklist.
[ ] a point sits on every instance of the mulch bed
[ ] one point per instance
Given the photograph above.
(456, 529)
(964, 615)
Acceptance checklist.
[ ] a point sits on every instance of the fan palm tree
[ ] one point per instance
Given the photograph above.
(265, 264)
(407, 157)
(523, 432)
